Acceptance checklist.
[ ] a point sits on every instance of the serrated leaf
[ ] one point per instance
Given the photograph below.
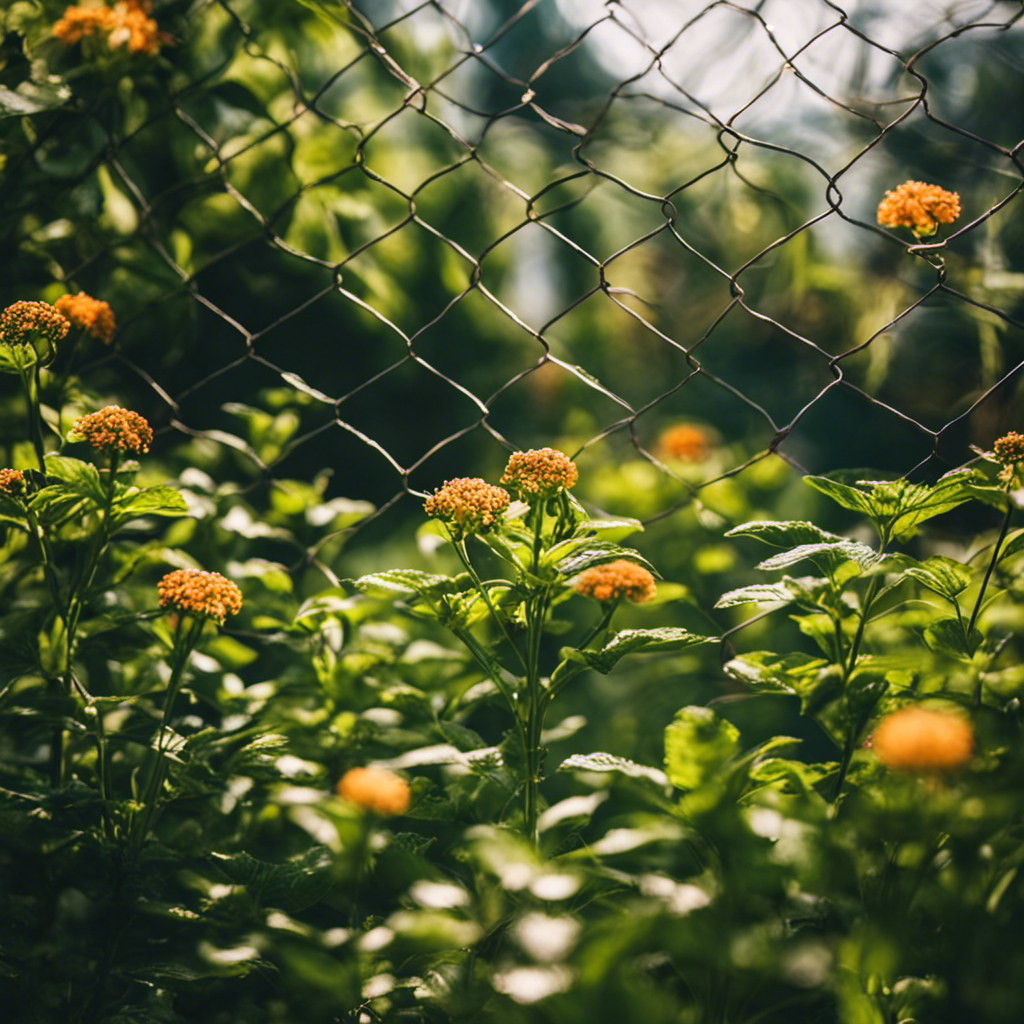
(629, 640)
(785, 673)
(946, 636)
(697, 746)
(81, 478)
(593, 552)
(394, 583)
(161, 500)
(829, 551)
(927, 502)
(784, 534)
(602, 762)
(849, 497)
(292, 885)
(945, 576)
(757, 593)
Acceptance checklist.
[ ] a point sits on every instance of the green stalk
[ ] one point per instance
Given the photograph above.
(30, 382)
(1003, 530)
(851, 739)
(183, 645)
(535, 713)
(460, 548)
(601, 626)
(76, 601)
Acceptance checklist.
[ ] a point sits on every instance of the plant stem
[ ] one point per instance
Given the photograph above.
(535, 708)
(76, 601)
(184, 643)
(30, 382)
(460, 547)
(1003, 530)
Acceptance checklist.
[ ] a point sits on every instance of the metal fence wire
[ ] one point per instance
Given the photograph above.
(432, 232)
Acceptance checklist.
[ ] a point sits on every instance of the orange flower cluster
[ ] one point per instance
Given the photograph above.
(205, 595)
(126, 24)
(616, 580)
(470, 504)
(12, 481)
(1009, 449)
(114, 429)
(685, 443)
(20, 321)
(93, 316)
(539, 474)
(918, 206)
(916, 739)
(375, 790)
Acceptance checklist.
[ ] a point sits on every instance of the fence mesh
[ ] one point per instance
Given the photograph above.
(449, 229)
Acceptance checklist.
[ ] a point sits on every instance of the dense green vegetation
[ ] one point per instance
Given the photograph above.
(433, 586)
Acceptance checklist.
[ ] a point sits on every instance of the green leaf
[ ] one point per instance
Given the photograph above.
(33, 97)
(830, 553)
(11, 509)
(758, 593)
(922, 503)
(947, 636)
(793, 777)
(697, 746)
(82, 478)
(808, 677)
(849, 497)
(601, 762)
(587, 553)
(629, 640)
(1013, 545)
(947, 577)
(609, 529)
(293, 885)
(54, 503)
(785, 534)
(402, 583)
(159, 501)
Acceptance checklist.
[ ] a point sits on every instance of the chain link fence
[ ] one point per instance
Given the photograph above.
(409, 237)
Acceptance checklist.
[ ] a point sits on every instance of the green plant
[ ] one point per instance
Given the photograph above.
(544, 541)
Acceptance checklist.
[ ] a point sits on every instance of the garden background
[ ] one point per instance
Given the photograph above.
(357, 249)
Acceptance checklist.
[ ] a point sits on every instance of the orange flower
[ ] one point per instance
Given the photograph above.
(539, 474)
(205, 595)
(114, 429)
(919, 207)
(470, 504)
(126, 24)
(616, 580)
(916, 739)
(685, 443)
(1009, 449)
(21, 321)
(93, 316)
(78, 22)
(12, 481)
(375, 790)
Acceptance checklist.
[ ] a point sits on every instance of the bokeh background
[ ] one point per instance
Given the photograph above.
(378, 245)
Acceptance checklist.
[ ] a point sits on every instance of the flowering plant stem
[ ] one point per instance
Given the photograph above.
(1003, 530)
(186, 636)
(861, 719)
(75, 603)
(30, 383)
